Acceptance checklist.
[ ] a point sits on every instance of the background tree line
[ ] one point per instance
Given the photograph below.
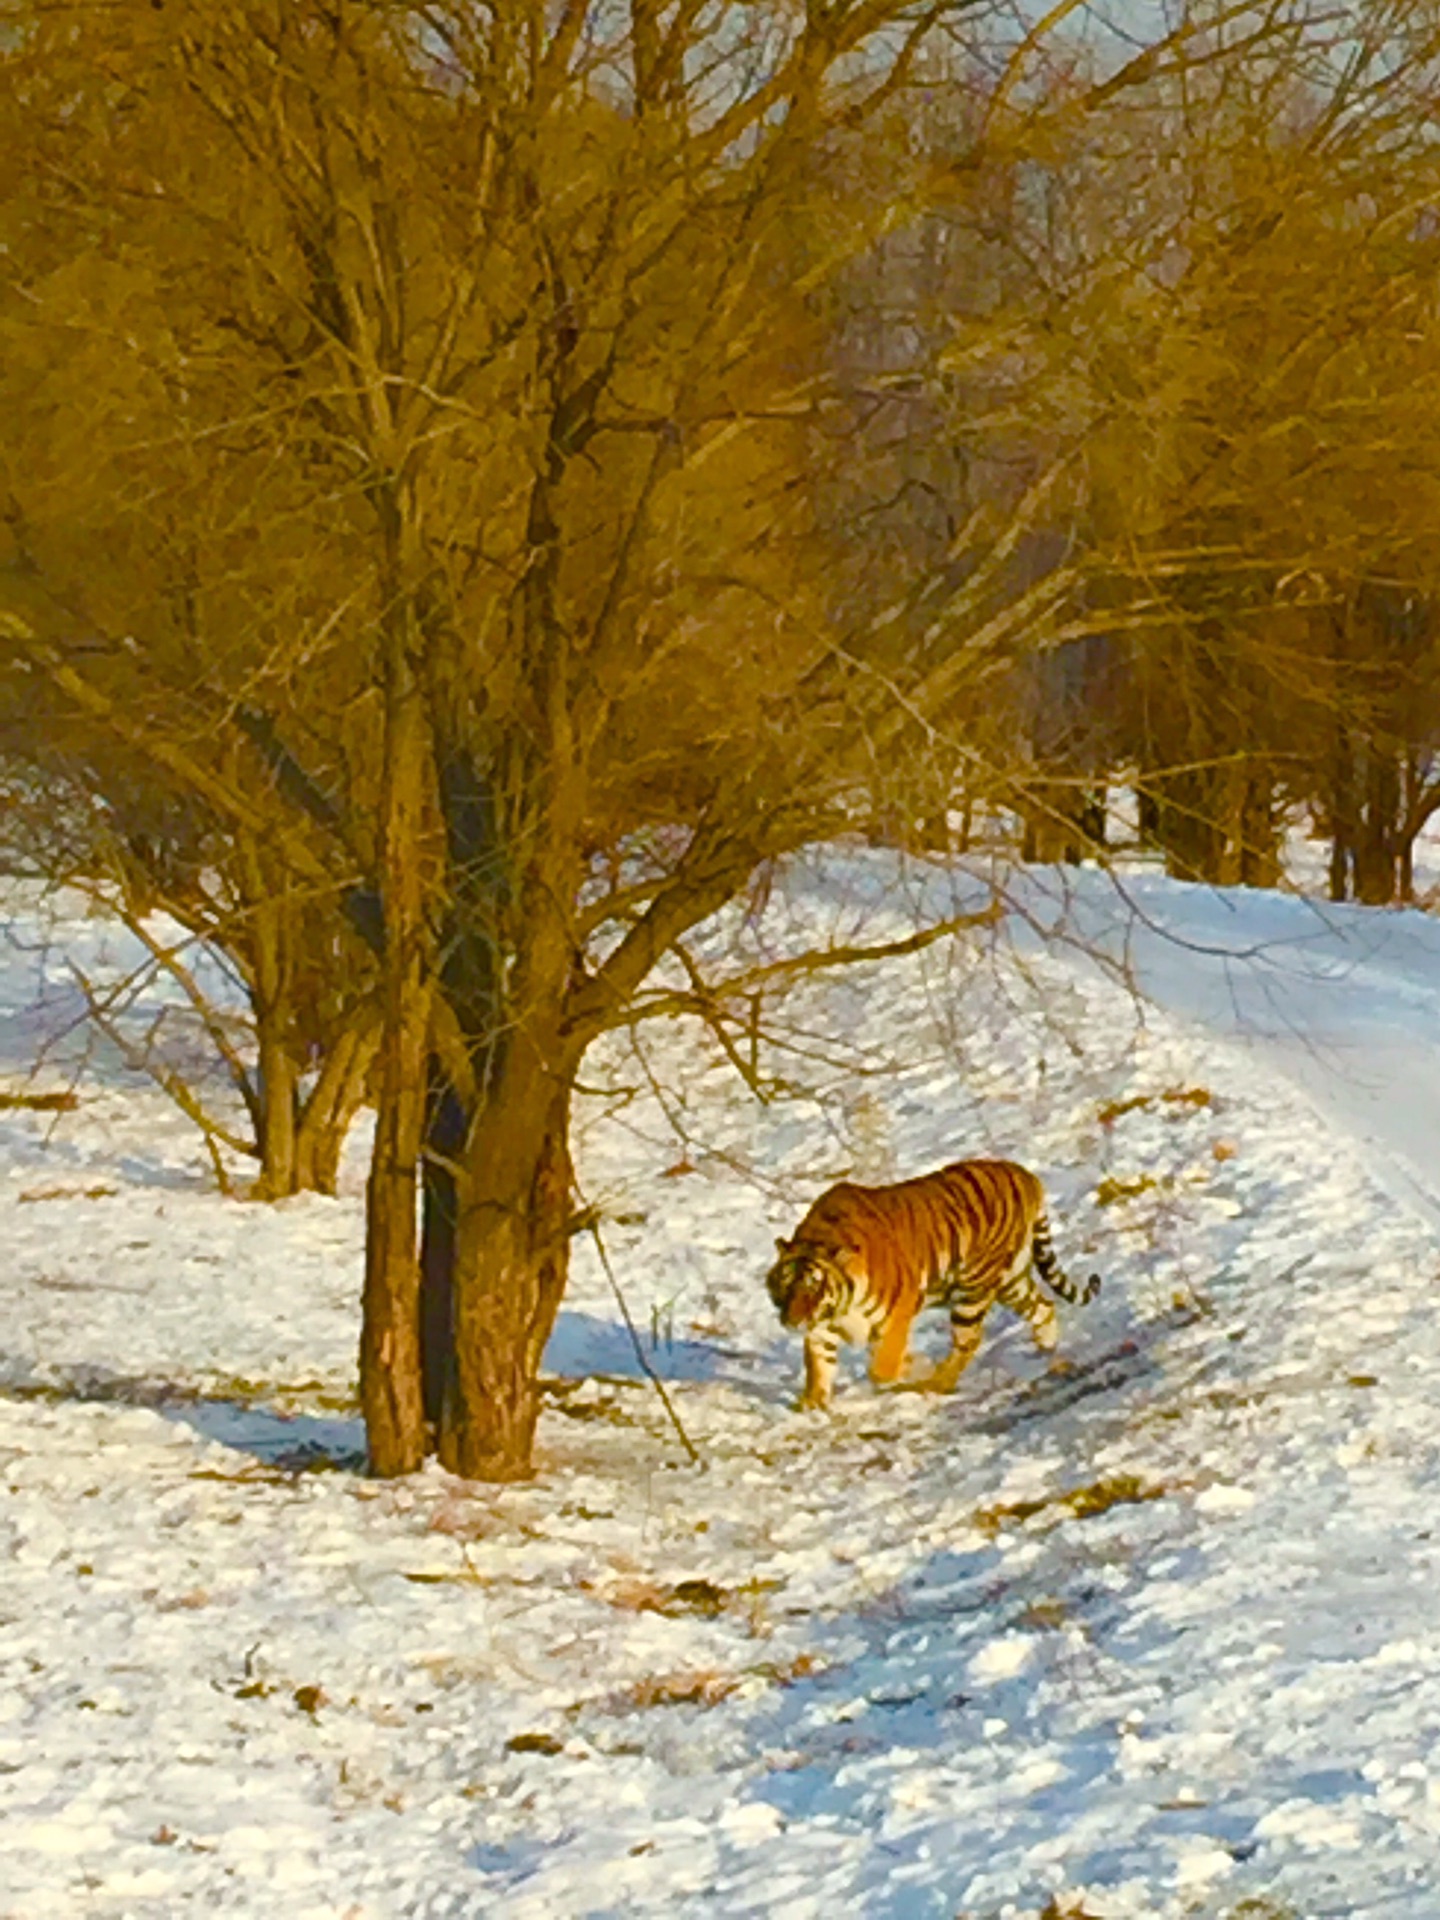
(1223, 303)
(482, 483)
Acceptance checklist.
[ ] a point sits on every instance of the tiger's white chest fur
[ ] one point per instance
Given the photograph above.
(856, 1325)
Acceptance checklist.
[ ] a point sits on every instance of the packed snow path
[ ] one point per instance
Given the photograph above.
(1155, 1636)
(1343, 1001)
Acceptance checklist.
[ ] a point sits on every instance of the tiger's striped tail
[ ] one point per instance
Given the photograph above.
(1078, 1293)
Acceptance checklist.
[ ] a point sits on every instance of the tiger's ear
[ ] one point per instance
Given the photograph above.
(781, 1246)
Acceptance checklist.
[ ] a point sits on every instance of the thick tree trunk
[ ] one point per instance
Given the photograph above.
(1064, 821)
(279, 1097)
(1339, 871)
(1257, 839)
(1376, 843)
(472, 983)
(1092, 817)
(390, 1385)
(446, 1125)
(511, 1255)
(1342, 816)
(1412, 819)
(1147, 811)
(513, 1183)
(1189, 824)
(390, 1377)
(278, 1085)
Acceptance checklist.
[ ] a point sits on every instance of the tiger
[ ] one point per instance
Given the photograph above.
(865, 1260)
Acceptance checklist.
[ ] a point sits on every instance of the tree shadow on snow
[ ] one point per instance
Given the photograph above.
(287, 1442)
(993, 1696)
(974, 1707)
(582, 1344)
(54, 1158)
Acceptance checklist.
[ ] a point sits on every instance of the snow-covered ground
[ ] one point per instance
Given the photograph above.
(1151, 1634)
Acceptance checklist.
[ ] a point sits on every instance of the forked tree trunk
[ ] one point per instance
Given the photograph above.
(301, 1140)
(511, 1254)
(327, 1116)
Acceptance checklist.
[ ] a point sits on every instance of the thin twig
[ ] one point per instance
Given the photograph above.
(168, 958)
(144, 1059)
(593, 1223)
(708, 1012)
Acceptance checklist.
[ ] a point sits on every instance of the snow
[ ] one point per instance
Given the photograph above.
(1147, 1634)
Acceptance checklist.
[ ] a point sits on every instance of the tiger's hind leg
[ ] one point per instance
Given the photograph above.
(965, 1331)
(1022, 1296)
(890, 1361)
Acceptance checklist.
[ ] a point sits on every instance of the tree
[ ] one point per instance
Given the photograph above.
(424, 417)
(88, 813)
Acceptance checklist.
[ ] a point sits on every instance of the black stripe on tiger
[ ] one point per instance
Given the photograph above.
(865, 1260)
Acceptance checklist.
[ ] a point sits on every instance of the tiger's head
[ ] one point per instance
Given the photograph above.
(805, 1283)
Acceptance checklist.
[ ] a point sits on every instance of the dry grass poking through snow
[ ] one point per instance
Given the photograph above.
(702, 1687)
(1080, 1503)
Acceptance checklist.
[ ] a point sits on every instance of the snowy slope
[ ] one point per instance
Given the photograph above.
(1152, 1635)
(1342, 1001)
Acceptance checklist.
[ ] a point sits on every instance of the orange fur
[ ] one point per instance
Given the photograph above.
(977, 1214)
(892, 1350)
(965, 1235)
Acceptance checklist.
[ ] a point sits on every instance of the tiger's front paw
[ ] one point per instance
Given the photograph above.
(889, 1374)
(915, 1377)
(907, 1383)
(809, 1402)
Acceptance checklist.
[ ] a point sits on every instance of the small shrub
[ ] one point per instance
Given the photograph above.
(694, 1687)
(1110, 1190)
(703, 1686)
(1045, 1616)
(1188, 1097)
(534, 1743)
(1120, 1490)
(1193, 1097)
(1114, 1110)
(697, 1596)
(1080, 1503)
